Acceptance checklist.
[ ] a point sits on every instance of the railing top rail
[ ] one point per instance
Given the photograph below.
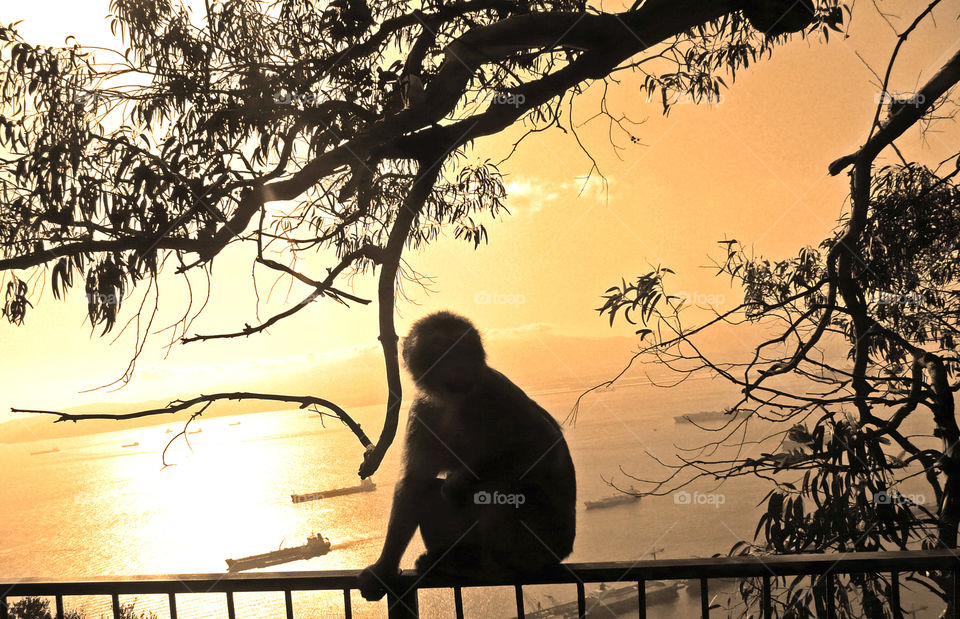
(629, 571)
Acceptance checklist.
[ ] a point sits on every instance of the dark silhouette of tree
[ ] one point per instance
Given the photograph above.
(39, 608)
(859, 375)
(118, 164)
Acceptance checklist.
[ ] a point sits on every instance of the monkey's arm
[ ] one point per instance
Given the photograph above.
(404, 519)
(420, 472)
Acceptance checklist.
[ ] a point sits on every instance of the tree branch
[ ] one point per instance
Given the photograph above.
(180, 405)
(427, 175)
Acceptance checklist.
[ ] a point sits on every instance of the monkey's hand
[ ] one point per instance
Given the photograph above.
(375, 580)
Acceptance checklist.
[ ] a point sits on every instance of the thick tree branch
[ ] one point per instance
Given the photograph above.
(429, 170)
(26, 261)
(609, 39)
(905, 117)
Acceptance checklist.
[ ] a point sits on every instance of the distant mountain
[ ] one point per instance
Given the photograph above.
(533, 357)
(32, 427)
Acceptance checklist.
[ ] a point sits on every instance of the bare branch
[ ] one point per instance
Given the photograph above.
(177, 406)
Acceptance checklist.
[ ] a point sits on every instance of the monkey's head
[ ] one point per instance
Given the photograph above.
(444, 354)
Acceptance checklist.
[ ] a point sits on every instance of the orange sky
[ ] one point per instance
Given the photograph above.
(751, 168)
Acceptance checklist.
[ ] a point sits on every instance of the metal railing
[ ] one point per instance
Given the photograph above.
(403, 601)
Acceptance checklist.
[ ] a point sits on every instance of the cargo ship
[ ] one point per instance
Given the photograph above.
(46, 451)
(709, 416)
(316, 546)
(616, 499)
(610, 603)
(366, 485)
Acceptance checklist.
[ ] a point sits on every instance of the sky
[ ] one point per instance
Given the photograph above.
(751, 167)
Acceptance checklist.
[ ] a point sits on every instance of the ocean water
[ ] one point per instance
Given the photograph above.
(98, 508)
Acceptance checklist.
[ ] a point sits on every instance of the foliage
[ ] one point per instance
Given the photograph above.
(358, 115)
(854, 377)
(39, 608)
(116, 162)
(852, 469)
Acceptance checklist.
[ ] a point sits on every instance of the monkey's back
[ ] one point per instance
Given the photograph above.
(534, 452)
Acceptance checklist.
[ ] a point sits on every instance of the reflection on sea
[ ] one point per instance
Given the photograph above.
(97, 508)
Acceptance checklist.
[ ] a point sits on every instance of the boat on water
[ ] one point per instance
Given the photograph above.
(197, 431)
(613, 500)
(235, 423)
(366, 485)
(316, 546)
(134, 444)
(45, 451)
(610, 603)
(709, 416)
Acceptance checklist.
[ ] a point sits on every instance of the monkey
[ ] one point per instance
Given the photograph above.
(487, 475)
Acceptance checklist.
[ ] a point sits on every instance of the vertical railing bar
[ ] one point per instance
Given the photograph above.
(231, 611)
(116, 605)
(173, 604)
(519, 594)
(956, 592)
(704, 600)
(458, 601)
(828, 588)
(642, 599)
(816, 586)
(767, 602)
(405, 607)
(895, 593)
(3, 608)
(581, 600)
(58, 600)
(288, 602)
(347, 606)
